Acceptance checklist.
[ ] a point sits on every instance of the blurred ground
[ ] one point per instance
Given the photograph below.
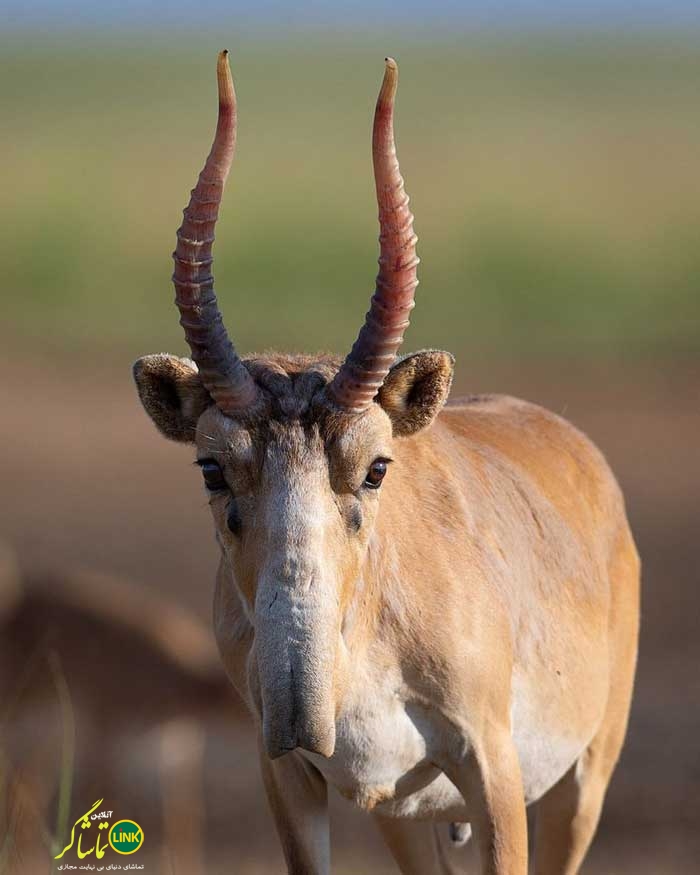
(90, 484)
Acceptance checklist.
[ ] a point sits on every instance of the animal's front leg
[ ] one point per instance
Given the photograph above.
(298, 797)
(487, 774)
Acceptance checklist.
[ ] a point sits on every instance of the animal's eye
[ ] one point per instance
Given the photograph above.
(376, 473)
(213, 475)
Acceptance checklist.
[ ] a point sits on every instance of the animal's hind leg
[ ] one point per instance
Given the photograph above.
(566, 818)
(568, 814)
(421, 848)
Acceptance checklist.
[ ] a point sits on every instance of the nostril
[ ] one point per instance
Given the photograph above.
(276, 751)
(279, 745)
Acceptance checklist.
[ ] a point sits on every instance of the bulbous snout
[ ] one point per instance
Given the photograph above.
(286, 733)
(296, 634)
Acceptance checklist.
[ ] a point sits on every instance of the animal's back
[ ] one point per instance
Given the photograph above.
(559, 459)
(556, 473)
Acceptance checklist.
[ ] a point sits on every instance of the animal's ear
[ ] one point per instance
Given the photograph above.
(172, 394)
(415, 389)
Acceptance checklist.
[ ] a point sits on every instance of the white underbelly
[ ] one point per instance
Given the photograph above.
(386, 747)
(382, 762)
(545, 751)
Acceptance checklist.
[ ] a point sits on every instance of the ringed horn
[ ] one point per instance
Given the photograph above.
(360, 377)
(364, 370)
(223, 373)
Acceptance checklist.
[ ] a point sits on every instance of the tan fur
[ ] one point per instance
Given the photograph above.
(467, 649)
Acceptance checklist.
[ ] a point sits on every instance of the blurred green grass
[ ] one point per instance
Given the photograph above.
(555, 182)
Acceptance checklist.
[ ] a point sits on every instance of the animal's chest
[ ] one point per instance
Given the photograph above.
(382, 758)
(386, 746)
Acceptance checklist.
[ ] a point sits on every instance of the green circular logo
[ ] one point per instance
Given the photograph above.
(125, 836)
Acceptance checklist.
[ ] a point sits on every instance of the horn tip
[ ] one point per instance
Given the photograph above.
(223, 75)
(391, 78)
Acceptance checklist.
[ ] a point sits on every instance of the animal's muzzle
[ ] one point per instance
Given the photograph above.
(296, 632)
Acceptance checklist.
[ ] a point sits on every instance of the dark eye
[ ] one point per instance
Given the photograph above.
(213, 475)
(376, 473)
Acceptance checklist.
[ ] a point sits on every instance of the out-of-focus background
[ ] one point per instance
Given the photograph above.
(552, 152)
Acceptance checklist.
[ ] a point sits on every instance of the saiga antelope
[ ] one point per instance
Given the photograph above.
(430, 606)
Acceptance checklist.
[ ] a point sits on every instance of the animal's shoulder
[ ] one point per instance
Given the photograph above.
(517, 427)
(529, 439)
